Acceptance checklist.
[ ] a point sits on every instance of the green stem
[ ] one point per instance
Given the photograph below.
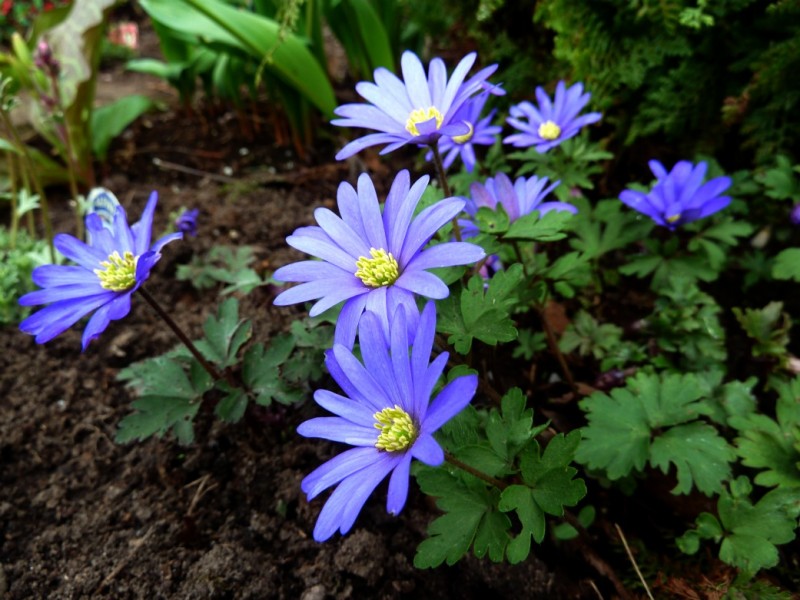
(27, 169)
(69, 150)
(437, 160)
(500, 485)
(518, 250)
(12, 179)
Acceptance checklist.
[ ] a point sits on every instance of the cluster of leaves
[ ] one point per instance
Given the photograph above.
(223, 265)
(173, 387)
(18, 258)
(269, 42)
(18, 16)
(499, 443)
(662, 67)
(680, 414)
(62, 109)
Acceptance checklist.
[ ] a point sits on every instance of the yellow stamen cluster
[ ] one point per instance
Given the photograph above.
(380, 270)
(549, 131)
(421, 115)
(463, 139)
(119, 272)
(673, 218)
(397, 430)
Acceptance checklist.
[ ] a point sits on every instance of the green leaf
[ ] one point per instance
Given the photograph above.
(787, 264)
(728, 232)
(261, 371)
(232, 406)
(750, 533)
(225, 334)
(699, 453)
(108, 121)
(549, 487)
(482, 314)
(470, 516)
(617, 438)
(550, 475)
(72, 42)
(484, 459)
(359, 28)
(540, 228)
(768, 327)
(520, 498)
(260, 37)
(510, 429)
(605, 228)
(773, 445)
(168, 398)
(627, 428)
(780, 181)
(753, 532)
(6, 146)
(491, 221)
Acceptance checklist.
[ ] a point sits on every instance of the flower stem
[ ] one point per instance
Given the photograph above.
(553, 343)
(211, 369)
(437, 160)
(475, 472)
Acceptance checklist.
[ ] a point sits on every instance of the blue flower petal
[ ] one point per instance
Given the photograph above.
(347, 500)
(75, 250)
(450, 401)
(337, 429)
(53, 275)
(339, 467)
(398, 486)
(423, 283)
(347, 323)
(427, 450)
(114, 310)
(56, 318)
(425, 226)
(345, 407)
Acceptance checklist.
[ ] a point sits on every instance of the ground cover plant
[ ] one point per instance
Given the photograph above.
(562, 371)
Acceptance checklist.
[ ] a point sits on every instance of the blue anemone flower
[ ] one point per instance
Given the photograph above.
(109, 269)
(552, 122)
(680, 196)
(386, 413)
(417, 109)
(481, 132)
(518, 199)
(370, 260)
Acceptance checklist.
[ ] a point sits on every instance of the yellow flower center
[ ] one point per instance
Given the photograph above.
(119, 272)
(463, 139)
(549, 131)
(397, 430)
(380, 270)
(421, 115)
(673, 218)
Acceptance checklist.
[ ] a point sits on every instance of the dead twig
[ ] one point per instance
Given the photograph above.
(633, 561)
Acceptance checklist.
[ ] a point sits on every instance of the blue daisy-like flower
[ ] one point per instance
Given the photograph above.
(371, 260)
(518, 199)
(386, 413)
(112, 266)
(417, 109)
(552, 122)
(481, 132)
(680, 196)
